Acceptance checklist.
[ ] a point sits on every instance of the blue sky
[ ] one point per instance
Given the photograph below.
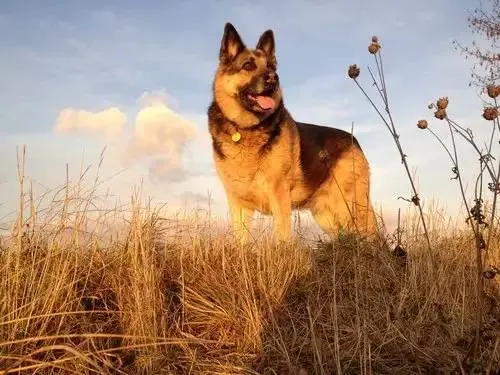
(95, 55)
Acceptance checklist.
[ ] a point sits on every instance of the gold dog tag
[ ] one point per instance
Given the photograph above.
(236, 137)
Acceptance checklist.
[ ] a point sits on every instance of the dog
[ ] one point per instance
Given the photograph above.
(270, 163)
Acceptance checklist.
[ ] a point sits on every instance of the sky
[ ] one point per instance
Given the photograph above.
(135, 78)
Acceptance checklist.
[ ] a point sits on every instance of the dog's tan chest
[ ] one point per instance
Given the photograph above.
(245, 176)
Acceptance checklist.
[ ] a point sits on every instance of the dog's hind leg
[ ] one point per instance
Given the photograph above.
(335, 216)
(332, 216)
(344, 200)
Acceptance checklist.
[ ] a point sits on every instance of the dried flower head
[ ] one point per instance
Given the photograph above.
(442, 103)
(353, 71)
(375, 39)
(374, 48)
(422, 124)
(493, 91)
(490, 113)
(440, 113)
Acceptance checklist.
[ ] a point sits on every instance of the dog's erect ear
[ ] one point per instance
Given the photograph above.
(231, 44)
(266, 43)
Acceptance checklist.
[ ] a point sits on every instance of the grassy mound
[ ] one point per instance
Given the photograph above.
(163, 299)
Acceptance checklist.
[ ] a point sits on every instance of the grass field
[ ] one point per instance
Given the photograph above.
(85, 291)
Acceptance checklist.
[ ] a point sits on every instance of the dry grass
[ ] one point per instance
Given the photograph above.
(166, 297)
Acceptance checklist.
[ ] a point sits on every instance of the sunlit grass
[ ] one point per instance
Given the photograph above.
(128, 290)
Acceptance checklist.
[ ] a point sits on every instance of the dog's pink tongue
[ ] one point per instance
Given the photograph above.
(265, 102)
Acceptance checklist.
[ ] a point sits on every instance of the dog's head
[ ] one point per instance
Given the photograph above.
(246, 85)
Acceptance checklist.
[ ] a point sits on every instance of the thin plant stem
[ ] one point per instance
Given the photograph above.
(444, 146)
(459, 178)
(380, 68)
(374, 106)
(379, 90)
(491, 138)
(478, 252)
(415, 199)
(491, 170)
(496, 191)
(395, 136)
(496, 187)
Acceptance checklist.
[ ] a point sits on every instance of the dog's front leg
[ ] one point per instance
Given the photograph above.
(241, 218)
(281, 207)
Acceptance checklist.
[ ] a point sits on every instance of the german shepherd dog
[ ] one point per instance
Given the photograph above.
(270, 163)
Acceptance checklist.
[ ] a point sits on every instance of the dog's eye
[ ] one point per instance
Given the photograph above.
(249, 65)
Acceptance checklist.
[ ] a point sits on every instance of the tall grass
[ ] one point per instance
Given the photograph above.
(161, 295)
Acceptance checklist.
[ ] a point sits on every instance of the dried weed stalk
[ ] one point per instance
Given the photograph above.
(380, 84)
(487, 180)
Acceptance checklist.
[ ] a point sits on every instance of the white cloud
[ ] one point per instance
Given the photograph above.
(162, 134)
(157, 97)
(108, 122)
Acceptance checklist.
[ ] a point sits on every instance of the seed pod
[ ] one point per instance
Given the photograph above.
(440, 114)
(442, 103)
(422, 124)
(493, 91)
(373, 48)
(490, 113)
(353, 71)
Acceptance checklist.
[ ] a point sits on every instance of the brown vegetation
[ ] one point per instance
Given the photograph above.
(172, 298)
